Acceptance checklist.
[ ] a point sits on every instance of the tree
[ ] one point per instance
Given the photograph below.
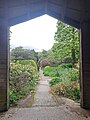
(66, 43)
(19, 53)
(45, 58)
(45, 62)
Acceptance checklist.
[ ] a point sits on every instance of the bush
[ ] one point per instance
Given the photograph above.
(64, 80)
(33, 63)
(68, 60)
(23, 62)
(27, 62)
(66, 65)
(23, 78)
(55, 80)
(63, 71)
(47, 70)
(45, 62)
(70, 90)
(50, 71)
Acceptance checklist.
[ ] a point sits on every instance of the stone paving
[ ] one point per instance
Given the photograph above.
(44, 107)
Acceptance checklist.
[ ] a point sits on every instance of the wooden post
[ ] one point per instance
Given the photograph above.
(85, 64)
(4, 65)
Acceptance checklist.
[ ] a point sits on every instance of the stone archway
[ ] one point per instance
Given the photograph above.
(72, 12)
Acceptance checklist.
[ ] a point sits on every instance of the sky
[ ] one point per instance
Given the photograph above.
(37, 33)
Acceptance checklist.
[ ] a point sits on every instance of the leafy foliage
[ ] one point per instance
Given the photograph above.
(23, 78)
(55, 80)
(27, 62)
(70, 90)
(66, 43)
(46, 58)
(50, 71)
(19, 53)
(64, 80)
(64, 71)
(45, 62)
(66, 65)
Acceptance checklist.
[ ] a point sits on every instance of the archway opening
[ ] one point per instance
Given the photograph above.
(68, 59)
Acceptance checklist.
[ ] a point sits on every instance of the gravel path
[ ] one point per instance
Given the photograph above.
(45, 107)
(42, 97)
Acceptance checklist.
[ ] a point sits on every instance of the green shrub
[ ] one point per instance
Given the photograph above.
(74, 74)
(23, 62)
(62, 72)
(33, 63)
(64, 80)
(64, 65)
(27, 62)
(23, 78)
(55, 80)
(47, 70)
(70, 90)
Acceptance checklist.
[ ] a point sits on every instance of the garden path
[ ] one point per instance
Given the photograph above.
(46, 107)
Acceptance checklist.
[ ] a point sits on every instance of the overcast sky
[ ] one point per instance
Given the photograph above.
(37, 33)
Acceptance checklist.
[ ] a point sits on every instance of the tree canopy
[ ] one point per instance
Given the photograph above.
(66, 43)
(19, 53)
